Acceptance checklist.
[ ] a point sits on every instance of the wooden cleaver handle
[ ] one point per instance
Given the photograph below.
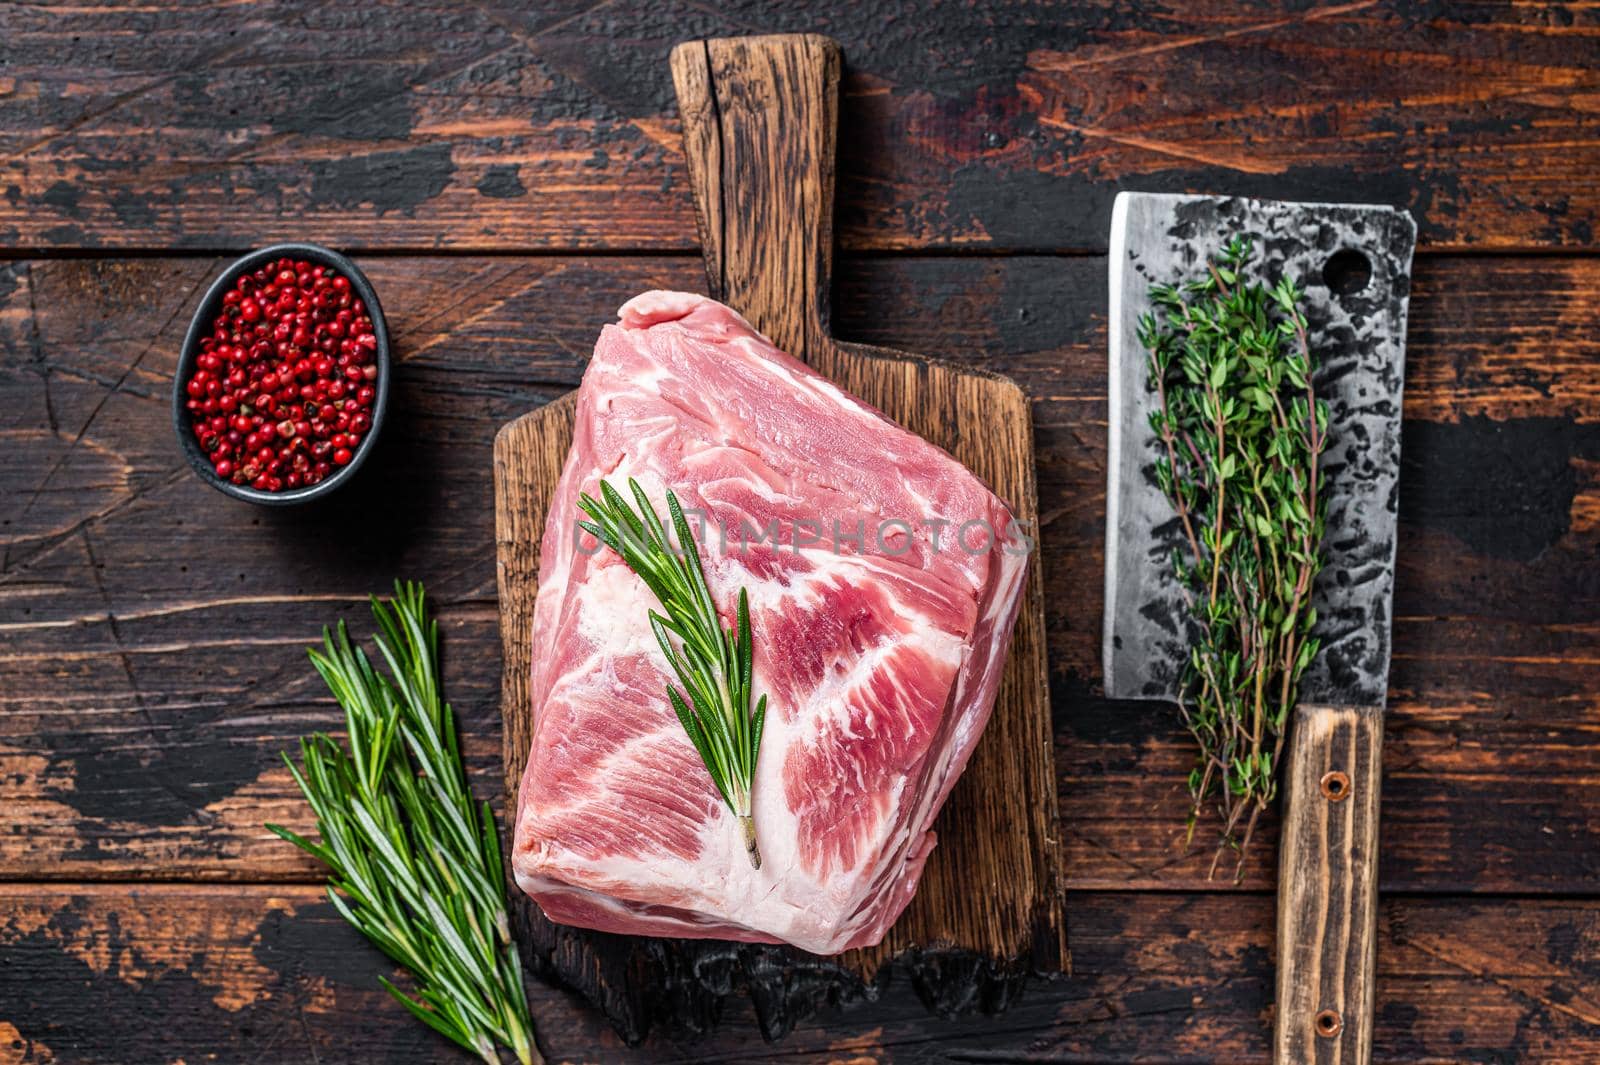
(1328, 887)
(760, 116)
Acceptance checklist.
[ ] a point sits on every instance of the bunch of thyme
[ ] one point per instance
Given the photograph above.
(1242, 434)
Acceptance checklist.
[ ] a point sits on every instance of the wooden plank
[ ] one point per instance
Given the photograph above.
(152, 632)
(170, 973)
(399, 126)
(270, 974)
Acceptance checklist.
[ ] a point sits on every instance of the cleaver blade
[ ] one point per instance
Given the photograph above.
(1353, 262)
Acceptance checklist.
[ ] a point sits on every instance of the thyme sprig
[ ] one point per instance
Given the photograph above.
(1242, 435)
(414, 863)
(713, 664)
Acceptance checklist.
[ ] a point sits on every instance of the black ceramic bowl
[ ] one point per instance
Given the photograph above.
(200, 327)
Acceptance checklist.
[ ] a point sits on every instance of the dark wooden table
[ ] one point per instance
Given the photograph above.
(508, 177)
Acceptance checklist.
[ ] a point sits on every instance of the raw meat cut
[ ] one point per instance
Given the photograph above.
(883, 579)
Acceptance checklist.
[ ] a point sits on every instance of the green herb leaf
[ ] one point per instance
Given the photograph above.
(713, 664)
(1242, 436)
(414, 861)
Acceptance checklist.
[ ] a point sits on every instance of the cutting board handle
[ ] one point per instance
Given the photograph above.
(760, 116)
(1328, 887)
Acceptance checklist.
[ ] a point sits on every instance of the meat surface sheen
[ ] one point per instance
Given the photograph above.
(883, 580)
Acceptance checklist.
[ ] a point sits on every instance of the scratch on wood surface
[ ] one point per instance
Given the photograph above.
(476, 603)
(727, 18)
(449, 72)
(36, 347)
(526, 38)
(133, 682)
(78, 123)
(469, 609)
(174, 647)
(103, 471)
(1052, 514)
(10, 568)
(171, 609)
(305, 1029)
(254, 151)
(220, 56)
(664, 133)
(1148, 872)
(1315, 15)
(178, 308)
(1243, 163)
(1481, 966)
(1477, 655)
(476, 290)
(86, 377)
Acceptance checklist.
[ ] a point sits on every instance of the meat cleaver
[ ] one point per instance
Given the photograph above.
(1353, 263)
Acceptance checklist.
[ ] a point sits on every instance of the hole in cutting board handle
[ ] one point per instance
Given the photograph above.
(1347, 272)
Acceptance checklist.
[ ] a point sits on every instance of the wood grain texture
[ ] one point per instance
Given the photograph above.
(152, 635)
(760, 120)
(152, 641)
(500, 125)
(1328, 887)
(264, 975)
(524, 481)
(146, 694)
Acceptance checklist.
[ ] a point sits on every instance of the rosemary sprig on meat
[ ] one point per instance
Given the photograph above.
(712, 663)
(1242, 434)
(413, 861)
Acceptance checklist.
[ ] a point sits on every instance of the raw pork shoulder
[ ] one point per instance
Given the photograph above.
(881, 610)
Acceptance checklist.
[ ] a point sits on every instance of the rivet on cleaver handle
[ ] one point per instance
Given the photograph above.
(1354, 264)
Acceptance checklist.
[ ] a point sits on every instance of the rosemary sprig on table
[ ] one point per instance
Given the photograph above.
(414, 862)
(713, 664)
(1242, 435)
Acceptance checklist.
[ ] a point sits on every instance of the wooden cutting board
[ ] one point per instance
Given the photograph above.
(759, 121)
